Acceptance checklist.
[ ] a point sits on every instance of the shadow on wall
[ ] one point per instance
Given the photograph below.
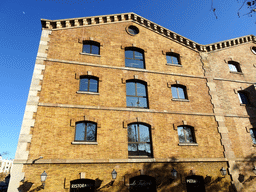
(250, 93)
(26, 186)
(247, 177)
(166, 183)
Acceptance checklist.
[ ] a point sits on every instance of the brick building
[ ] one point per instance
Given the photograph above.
(119, 92)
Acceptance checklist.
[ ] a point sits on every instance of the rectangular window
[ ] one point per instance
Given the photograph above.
(179, 92)
(139, 140)
(91, 47)
(134, 58)
(86, 131)
(136, 95)
(173, 58)
(186, 134)
(89, 84)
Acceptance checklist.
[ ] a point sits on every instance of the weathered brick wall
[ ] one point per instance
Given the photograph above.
(241, 54)
(60, 175)
(60, 86)
(237, 116)
(64, 45)
(240, 136)
(52, 135)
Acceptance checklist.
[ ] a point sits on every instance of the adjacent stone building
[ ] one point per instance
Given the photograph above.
(121, 94)
(5, 165)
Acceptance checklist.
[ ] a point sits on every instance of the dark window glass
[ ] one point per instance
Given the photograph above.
(172, 58)
(234, 66)
(133, 30)
(179, 92)
(254, 50)
(139, 140)
(253, 135)
(186, 134)
(91, 47)
(136, 94)
(134, 58)
(89, 84)
(86, 131)
(243, 98)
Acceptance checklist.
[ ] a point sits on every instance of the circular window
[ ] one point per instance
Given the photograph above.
(254, 50)
(133, 30)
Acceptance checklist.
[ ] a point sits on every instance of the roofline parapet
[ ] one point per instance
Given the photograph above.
(105, 19)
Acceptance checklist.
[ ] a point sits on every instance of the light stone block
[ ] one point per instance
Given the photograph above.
(43, 43)
(32, 108)
(42, 54)
(28, 122)
(39, 66)
(21, 152)
(28, 115)
(219, 118)
(16, 176)
(25, 138)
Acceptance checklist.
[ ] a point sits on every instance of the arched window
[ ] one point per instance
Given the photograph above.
(86, 131)
(253, 135)
(136, 94)
(89, 84)
(179, 92)
(186, 134)
(91, 47)
(139, 140)
(173, 58)
(234, 66)
(243, 97)
(134, 57)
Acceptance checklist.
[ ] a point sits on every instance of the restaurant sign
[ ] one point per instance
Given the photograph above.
(143, 183)
(195, 183)
(82, 185)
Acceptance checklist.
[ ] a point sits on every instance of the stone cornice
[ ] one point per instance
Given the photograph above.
(124, 17)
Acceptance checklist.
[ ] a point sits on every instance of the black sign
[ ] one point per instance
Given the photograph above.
(195, 183)
(82, 185)
(143, 183)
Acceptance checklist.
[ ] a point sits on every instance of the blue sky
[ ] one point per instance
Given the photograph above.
(20, 30)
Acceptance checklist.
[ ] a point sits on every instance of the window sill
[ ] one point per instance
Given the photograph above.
(87, 92)
(176, 65)
(183, 100)
(240, 73)
(127, 67)
(83, 143)
(139, 157)
(137, 107)
(90, 54)
(190, 144)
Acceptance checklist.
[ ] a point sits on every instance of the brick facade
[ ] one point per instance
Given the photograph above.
(221, 125)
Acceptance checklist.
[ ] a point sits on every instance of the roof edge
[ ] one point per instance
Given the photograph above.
(130, 16)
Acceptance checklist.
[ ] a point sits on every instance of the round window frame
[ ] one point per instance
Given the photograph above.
(253, 50)
(127, 30)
